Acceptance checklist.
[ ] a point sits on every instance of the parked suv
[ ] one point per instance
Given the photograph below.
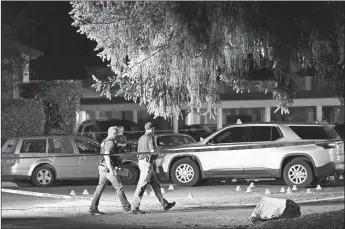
(297, 164)
(98, 129)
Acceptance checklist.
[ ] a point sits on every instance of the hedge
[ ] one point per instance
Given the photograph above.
(22, 117)
(61, 101)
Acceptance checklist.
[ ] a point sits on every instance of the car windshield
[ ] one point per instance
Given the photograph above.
(174, 140)
(129, 127)
(315, 132)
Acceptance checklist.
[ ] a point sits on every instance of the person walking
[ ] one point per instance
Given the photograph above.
(121, 139)
(108, 172)
(146, 144)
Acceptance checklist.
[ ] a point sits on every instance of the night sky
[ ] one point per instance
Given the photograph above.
(46, 26)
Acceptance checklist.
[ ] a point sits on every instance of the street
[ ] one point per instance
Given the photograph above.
(210, 206)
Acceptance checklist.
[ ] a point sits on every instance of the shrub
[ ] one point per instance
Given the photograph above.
(61, 101)
(22, 117)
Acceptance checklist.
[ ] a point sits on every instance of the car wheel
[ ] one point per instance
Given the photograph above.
(298, 172)
(133, 175)
(185, 172)
(43, 176)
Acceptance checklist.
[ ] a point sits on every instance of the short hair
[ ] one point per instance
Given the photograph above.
(121, 128)
(112, 128)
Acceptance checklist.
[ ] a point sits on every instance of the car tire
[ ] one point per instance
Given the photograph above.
(133, 175)
(43, 176)
(185, 165)
(298, 172)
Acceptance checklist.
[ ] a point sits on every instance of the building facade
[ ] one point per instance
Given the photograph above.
(314, 101)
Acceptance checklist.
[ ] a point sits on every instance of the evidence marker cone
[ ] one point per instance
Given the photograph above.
(238, 188)
(341, 177)
(171, 187)
(267, 192)
(318, 187)
(294, 188)
(282, 189)
(308, 190)
(252, 185)
(190, 195)
(72, 193)
(289, 191)
(248, 189)
(162, 190)
(86, 192)
(145, 193)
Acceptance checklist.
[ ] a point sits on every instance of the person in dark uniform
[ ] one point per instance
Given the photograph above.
(146, 144)
(121, 139)
(108, 172)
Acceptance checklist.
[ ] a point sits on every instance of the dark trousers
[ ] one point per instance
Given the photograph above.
(147, 176)
(104, 177)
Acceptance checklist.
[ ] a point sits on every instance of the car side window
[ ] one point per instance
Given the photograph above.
(260, 133)
(189, 140)
(33, 146)
(232, 135)
(87, 146)
(9, 146)
(60, 146)
(276, 134)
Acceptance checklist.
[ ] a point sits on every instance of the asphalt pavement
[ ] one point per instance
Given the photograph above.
(24, 211)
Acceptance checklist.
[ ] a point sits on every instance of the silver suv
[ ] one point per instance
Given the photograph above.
(257, 150)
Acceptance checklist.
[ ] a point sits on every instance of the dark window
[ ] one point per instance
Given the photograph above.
(87, 146)
(173, 140)
(276, 134)
(315, 132)
(60, 146)
(260, 133)
(231, 135)
(33, 146)
(9, 146)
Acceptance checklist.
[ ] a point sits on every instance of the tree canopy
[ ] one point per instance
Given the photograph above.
(170, 55)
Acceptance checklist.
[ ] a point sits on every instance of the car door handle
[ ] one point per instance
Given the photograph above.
(83, 157)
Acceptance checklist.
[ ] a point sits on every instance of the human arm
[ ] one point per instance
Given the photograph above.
(107, 149)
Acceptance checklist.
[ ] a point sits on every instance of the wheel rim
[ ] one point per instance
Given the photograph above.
(184, 173)
(44, 176)
(297, 174)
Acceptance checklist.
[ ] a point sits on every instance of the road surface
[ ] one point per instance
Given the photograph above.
(22, 211)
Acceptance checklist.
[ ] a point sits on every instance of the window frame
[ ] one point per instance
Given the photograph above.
(61, 138)
(211, 140)
(271, 132)
(84, 139)
(33, 139)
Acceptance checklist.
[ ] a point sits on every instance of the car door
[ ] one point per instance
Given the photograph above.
(218, 159)
(63, 155)
(265, 161)
(34, 149)
(88, 157)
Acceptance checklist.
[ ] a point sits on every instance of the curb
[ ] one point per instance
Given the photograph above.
(60, 196)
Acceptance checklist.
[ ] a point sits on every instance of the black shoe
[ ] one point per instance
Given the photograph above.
(169, 206)
(137, 211)
(96, 212)
(127, 211)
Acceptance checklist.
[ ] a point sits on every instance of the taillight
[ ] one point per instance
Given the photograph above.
(327, 146)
